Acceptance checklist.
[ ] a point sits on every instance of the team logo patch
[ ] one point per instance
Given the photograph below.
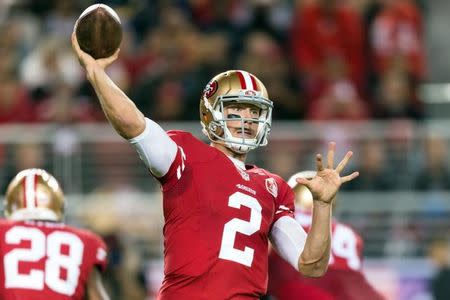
(271, 186)
(210, 89)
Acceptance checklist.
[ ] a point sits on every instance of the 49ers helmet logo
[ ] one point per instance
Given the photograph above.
(210, 89)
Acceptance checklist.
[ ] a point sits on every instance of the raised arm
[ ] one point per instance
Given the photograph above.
(120, 111)
(315, 256)
(156, 149)
(310, 253)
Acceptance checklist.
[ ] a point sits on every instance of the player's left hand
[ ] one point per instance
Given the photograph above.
(327, 181)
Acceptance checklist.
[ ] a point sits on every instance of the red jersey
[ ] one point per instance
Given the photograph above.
(344, 279)
(346, 244)
(217, 222)
(46, 260)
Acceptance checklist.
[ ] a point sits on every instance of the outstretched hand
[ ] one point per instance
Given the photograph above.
(327, 181)
(87, 61)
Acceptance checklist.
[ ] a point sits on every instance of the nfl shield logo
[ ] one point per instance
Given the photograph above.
(271, 186)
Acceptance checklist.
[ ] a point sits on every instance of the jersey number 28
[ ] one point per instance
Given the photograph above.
(43, 246)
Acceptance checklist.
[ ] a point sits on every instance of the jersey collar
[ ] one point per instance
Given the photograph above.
(238, 163)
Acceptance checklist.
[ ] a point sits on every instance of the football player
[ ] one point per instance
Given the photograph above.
(41, 257)
(344, 279)
(220, 212)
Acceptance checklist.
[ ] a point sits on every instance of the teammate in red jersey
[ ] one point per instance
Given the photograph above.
(219, 212)
(344, 279)
(41, 257)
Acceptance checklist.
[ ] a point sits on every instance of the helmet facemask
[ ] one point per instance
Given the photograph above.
(218, 130)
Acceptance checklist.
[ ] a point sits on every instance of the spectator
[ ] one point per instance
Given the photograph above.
(323, 32)
(398, 32)
(404, 239)
(15, 104)
(263, 56)
(374, 172)
(435, 174)
(49, 64)
(59, 21)
(396, 97)
(439, 253)
(339, 101)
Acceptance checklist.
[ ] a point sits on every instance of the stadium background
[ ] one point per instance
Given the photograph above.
(371, 76)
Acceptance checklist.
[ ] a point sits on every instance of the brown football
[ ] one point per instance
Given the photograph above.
(98, 31)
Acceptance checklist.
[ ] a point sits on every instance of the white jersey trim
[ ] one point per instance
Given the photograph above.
(288, 238)
(155, 148)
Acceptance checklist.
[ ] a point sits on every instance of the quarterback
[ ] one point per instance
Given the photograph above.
(220, 212)
(41, 257)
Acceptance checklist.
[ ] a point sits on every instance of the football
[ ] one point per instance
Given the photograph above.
(99, 31)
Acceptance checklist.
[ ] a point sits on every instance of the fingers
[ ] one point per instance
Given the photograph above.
(349, 177)
(330, 155)
(319, 163)
(75, 45)
(105, 62)
(115, 55)
(344, 162)
(303, 181)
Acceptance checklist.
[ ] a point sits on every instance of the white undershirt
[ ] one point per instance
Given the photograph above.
(238, 163)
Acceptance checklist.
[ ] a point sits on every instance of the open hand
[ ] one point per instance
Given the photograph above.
(327, 181)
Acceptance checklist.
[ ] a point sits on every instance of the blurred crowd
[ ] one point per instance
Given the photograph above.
(321, 60)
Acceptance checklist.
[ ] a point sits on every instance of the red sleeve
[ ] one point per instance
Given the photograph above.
(178, 165)
(191, 150)
(100, 253)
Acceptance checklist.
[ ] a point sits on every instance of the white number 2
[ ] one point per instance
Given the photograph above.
(227, 250)
(40, 246)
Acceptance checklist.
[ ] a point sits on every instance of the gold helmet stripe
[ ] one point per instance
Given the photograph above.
(30, 183)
